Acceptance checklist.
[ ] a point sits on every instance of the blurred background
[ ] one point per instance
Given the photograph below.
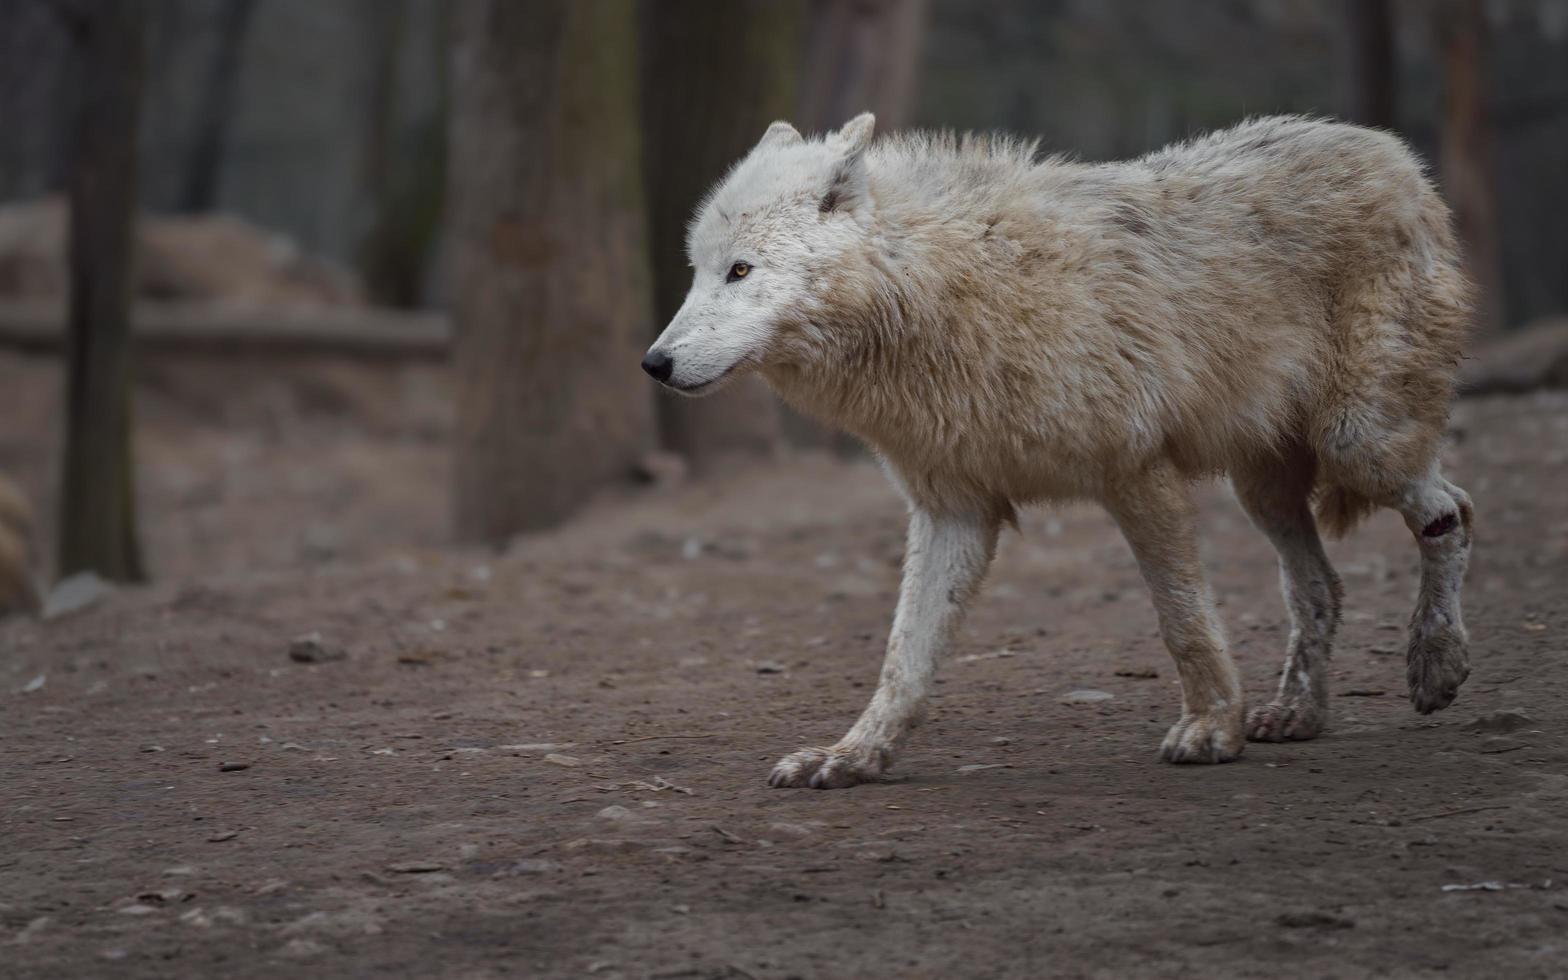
(285, 281)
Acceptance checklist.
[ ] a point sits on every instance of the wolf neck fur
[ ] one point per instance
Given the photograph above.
(887, 368)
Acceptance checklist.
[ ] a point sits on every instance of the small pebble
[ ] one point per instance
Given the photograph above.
(301, 949)
(1313, 920)
(309, 648)
(533, 866)
(415, 867)
(1086, 697)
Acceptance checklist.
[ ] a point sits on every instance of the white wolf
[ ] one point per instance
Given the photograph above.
(1281, 302)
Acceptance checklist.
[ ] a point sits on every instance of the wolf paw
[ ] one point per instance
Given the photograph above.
(829, 768)
(1281, 721)
(1205, 738)
(1437, 663)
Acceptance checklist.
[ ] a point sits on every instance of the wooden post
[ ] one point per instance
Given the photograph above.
(1466, 156)
(97, 519)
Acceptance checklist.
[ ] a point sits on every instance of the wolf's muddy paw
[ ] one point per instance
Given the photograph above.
(1437, 663)
(1204, 738)
(1281, 721)
(830, 768)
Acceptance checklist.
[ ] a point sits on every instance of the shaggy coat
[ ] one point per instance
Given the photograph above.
(1281, 302)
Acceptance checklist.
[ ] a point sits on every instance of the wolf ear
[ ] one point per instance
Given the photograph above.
(780, 133)
(847, 188)
(855, 135)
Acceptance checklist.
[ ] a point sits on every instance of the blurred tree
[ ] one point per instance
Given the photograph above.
(711, 84)
(861, 55)
(97, 517)
(1373, 97)
(215, 108)
(1466, 156)
(403, 180)
(551, 298)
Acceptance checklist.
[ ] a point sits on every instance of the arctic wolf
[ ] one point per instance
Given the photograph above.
(1281, 302)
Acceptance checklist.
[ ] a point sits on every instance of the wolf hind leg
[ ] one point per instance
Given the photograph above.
(1276, 496)
(1441, 517)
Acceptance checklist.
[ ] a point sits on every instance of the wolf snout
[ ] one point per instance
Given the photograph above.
(659, 366)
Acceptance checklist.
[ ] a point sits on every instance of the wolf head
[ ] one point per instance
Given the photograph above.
(759, 246)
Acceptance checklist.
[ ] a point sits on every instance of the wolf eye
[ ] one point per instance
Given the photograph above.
(738, 271)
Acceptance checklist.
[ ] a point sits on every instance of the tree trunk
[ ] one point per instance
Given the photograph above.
(550, 284)
(199, 191)
(861, 56)
(97, 519)
(1466, 162)
(711, 85)
(1372, 62)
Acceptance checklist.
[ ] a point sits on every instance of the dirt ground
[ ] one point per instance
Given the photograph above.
(553, 761)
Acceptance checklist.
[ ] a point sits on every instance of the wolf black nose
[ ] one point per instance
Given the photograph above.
(659, 365)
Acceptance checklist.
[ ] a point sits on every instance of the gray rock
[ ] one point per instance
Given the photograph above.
(75, 593)
(1507, 720)
(309, 648)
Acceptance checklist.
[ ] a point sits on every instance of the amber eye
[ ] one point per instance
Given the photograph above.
(738, 271)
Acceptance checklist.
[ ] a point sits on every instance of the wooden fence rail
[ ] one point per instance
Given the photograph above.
(40, 328)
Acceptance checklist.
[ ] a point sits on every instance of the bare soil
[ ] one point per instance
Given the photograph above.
(553, 761)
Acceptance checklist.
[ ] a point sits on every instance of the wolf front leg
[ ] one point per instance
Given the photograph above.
(1157, 517)
(944, 562)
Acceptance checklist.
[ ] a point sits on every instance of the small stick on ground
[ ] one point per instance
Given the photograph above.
(733, 839)
(1456, 813)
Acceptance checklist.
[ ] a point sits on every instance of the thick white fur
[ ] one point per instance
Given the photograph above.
(1280, 302)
